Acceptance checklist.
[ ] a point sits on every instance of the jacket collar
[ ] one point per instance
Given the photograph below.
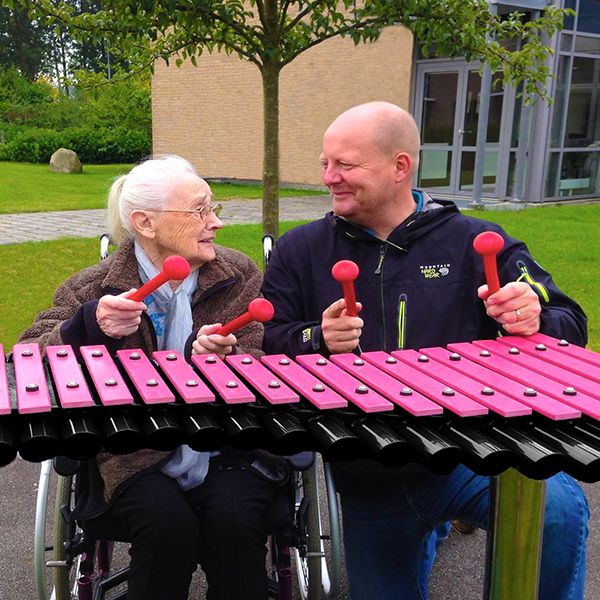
(432, 213)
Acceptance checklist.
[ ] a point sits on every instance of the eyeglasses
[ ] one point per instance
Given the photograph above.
(202, 213)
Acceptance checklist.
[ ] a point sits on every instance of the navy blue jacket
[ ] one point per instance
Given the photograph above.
(418, 288)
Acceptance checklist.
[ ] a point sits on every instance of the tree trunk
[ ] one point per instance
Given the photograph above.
(65, 68)
(270, 204)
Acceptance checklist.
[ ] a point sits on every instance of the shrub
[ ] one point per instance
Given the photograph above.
(104, 104)
(105, 146)
(11, 131)
(16, 89)
(100, 146)
(102, 121)
(34, 146)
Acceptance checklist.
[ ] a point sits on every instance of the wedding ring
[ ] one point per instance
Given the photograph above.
(518, 313)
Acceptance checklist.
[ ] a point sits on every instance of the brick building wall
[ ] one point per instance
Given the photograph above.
(212, 114)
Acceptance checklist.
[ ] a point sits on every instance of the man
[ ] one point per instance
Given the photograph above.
(420, 284)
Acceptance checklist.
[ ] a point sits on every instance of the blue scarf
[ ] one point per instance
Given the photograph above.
(170, 311)
(171, 315)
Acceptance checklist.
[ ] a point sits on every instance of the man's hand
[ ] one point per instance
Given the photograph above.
(341, 332)
(209, 342)
(515, 306)
(117, 316)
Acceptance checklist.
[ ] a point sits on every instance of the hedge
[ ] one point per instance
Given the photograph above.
(98, 146)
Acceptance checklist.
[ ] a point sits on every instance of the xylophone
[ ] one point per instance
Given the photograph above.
(530, 403)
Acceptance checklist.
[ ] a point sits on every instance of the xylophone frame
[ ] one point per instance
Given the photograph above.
(514, 537)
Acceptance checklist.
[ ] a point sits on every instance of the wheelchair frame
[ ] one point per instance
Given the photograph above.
(77, 563)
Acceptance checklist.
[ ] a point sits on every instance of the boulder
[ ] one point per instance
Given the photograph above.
(65, 161)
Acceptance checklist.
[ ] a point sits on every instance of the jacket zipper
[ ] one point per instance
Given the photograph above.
(402, 301)
(379, 271)
(531, 281)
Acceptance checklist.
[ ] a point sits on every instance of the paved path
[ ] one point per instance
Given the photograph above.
(26, 227)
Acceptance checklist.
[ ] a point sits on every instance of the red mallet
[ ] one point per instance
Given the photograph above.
(345, 272)
(258, 310)
(488, 244)
(174, 268)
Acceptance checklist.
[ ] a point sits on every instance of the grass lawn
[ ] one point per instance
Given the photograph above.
(562, 238)
(33, 188)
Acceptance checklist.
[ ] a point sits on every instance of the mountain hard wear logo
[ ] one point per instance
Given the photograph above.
(434, 271)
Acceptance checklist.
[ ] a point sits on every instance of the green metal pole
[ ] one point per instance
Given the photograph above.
(514, 541)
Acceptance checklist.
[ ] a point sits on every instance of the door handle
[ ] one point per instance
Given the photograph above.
(461, 131)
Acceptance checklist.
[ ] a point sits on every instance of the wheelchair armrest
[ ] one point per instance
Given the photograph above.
(104, 246)
(66, 466)
(268, 242)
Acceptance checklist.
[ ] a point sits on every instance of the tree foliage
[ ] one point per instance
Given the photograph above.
(277, 31)
(93, 103)
(272, 33)
(22, 42)
(102, 122)
(37, 47)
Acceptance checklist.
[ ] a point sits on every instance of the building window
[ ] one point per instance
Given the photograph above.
(560, 99)
(583, 115)
(570, 21)
(574, 152)
(490, 169)
(588, 16)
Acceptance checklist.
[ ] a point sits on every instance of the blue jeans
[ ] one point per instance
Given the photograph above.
(432, 542)
(387, 535)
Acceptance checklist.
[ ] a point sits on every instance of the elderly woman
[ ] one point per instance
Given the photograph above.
(183, 507)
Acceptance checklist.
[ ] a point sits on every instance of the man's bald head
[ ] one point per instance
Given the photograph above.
(370, 154)
(391, 128)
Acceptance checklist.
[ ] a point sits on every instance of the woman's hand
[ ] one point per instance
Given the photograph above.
(117, 316)
(209, 342)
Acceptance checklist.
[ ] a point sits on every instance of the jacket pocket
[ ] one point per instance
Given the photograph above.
(402, 306)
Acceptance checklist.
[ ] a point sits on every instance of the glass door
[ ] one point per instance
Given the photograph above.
(447, 112)
(468, 139)
(439, 93)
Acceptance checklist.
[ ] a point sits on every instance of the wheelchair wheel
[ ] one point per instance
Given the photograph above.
(335, 533)
(311, 567)
(313, 579)
(40, 546)
(55, 579)
(319, 570)
(63, 531)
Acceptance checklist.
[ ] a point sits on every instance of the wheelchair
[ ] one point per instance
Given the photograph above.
(71, 566)
(82, 568)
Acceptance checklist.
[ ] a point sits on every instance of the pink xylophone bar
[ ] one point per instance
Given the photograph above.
(438, 407)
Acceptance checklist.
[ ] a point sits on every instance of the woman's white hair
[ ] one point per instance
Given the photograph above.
(147, 186)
